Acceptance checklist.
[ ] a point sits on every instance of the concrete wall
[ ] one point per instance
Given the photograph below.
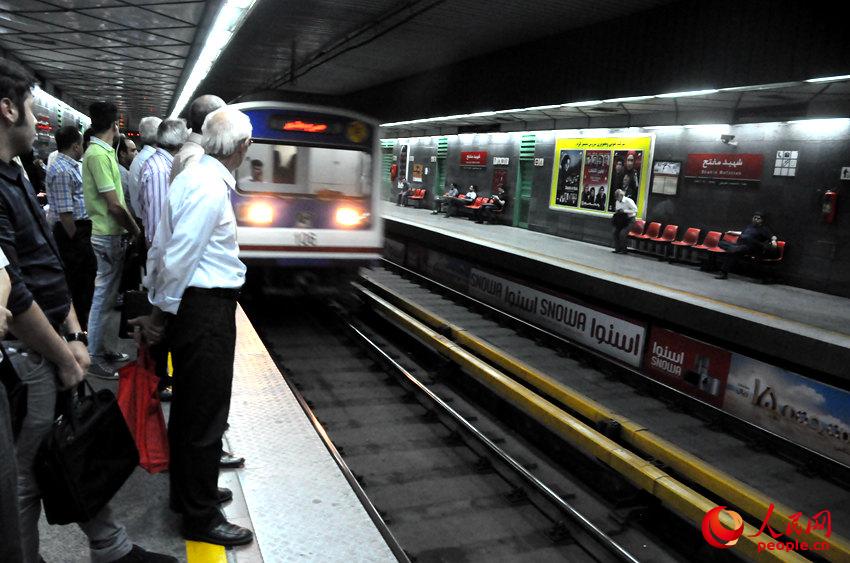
(818, 254)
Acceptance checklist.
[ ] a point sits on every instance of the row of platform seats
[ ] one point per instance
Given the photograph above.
(665, 244)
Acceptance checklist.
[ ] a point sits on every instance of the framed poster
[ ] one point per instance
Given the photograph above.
(587, 171)
(418, 170)
(665, 176)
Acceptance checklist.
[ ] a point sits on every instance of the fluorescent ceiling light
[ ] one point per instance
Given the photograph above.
(582, 104)
(628, 99)
(829, 78)
(231, 16)
(686, 94)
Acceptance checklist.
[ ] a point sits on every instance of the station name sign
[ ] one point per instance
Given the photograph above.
(724, 169)
(473, 158)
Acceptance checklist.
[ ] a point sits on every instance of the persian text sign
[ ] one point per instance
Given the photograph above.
(725, 169)
(612, 335)
(473, 158)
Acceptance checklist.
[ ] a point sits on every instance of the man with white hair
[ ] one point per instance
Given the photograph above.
(192, 150)
(156, 174)
(194, 277)
(147, 137)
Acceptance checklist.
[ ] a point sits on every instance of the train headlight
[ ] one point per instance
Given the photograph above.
(257, 213)
(350, 216)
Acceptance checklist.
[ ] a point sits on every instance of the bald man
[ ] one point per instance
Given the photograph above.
(192, 150)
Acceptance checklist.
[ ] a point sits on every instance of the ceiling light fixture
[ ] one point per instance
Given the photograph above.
(687, 94)
(230, 18)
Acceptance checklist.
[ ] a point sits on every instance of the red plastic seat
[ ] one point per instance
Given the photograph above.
(636, 229)
(689, 240)
(479, 201)
(780, 246)
(668, 236)
(731, 237)
(710, 242)
(653, 231)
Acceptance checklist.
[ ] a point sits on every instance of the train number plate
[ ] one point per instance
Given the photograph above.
(305, 238)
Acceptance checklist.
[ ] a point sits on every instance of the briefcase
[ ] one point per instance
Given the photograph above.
(87, 456)
(16, 392)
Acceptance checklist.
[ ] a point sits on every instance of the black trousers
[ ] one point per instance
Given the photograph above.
(80, 266)
(733, 254)
(202, 338)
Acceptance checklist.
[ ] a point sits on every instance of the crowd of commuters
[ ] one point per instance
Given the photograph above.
(60, 279)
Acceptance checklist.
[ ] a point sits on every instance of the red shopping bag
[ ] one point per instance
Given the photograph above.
(138, 399)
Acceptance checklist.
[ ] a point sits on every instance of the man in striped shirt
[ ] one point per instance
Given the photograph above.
(156, 174)
(71, 224)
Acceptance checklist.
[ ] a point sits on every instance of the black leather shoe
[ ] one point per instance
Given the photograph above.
(225, 534)
(223, 495)
(139, 555)
(230, 461)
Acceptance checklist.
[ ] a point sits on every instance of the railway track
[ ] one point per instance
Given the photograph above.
(452, 481)
(710, 466)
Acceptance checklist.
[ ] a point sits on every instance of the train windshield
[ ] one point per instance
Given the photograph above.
(305, 171)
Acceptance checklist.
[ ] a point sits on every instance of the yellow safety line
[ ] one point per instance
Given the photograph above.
(720, 483)
(712, 300)
(200, 552)
(678, 497)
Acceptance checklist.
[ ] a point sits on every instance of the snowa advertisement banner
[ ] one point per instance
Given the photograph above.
(612, 335)
(802, 410)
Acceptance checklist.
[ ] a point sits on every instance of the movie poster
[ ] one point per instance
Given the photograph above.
(567, 178)
(580, 173)
(626, 175)
(594, 193)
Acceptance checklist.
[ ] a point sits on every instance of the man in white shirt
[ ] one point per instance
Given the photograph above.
(147, 136)
(194, 279)
(624, 217)
(192, 151)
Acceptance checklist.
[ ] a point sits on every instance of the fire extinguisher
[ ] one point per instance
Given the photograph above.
(828, 205)
(393, 172)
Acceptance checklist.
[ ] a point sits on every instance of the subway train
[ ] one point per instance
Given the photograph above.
(307, 196)
(51, 114)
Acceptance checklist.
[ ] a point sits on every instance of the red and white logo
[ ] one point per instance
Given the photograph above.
(722, 534)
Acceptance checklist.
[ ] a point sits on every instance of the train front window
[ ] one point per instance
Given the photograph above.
(314, 172)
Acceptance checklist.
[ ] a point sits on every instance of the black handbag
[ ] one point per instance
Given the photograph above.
(87, 456)
(16, 392)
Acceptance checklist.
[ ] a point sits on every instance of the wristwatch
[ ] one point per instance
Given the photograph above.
(81, 336)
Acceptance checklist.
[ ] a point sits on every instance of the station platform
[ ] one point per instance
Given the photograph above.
(783, 324)
(290, 492)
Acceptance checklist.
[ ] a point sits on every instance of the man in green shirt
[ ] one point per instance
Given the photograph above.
(110, 219)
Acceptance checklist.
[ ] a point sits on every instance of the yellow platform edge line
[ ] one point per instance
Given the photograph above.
(678, 497)
(200, 552)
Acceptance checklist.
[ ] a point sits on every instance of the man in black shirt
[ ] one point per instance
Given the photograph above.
(51, 351)
(754, 240)
(488, 211)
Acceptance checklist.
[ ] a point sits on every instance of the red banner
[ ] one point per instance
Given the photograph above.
(691, 366)
(473, 158)
(725, 169)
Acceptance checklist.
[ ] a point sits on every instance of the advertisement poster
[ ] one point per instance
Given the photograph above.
(418, 170)
(724, 169)
(500, 179)
(594, 192)
(802, 410)
(691, 366)
(568, 178)
(615, 336)
(579, 170)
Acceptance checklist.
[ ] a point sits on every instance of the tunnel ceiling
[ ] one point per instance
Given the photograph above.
(130, 51)
(336, 47)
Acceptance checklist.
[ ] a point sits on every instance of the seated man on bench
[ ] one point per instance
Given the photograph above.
(755, 239)
(440, 203)
(456, 203)
(488, 211)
